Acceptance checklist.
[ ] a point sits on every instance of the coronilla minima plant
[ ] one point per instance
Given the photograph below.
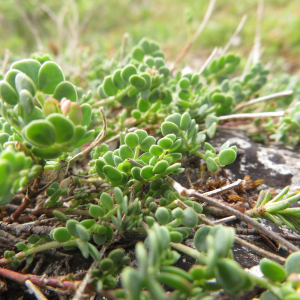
(101, 163)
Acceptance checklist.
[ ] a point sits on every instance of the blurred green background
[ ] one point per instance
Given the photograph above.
(64, 27)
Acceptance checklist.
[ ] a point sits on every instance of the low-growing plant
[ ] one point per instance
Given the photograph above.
(47, 124)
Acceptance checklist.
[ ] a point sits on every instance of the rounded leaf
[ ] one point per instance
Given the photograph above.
(142, 134)
(65, 130)
(162, 215)
(108, 86)
(96, 211)
(131, 140)
(137, 81)
(126, 152)
(160, 167)
(82, 232)
(272, 270)
(112, 173)
(8, 94)
(26, 101)
(71, 227)
(190, 218)
(185, 121)
(184, 83)
(211, 165)
(168, 128)
(143, 105)
(146, 172)
(50, 75)
(47, 153)
(227, 157)
(61, 235)
(23, 82)
(107, 201)
(118, 81)
(156, 150)
(292, 264)
(40, 133)
(147, 143)
(127, 72)
(67, 90)
(30, 67)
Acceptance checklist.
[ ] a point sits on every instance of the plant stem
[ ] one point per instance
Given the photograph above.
(200, 155)
(192, 193)
(113, 99)
(253, 115)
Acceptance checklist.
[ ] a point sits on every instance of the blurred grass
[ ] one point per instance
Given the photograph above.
(102, 24)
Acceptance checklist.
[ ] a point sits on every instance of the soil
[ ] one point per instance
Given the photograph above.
(276, 165)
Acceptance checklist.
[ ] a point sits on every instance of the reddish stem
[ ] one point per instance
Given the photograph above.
(14, 217)
(43, 282)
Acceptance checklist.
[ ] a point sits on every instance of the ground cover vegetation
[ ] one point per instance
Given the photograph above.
(99, 152)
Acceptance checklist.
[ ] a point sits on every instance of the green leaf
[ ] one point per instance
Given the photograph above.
(82, 232)
(136, 173)
(272, 270)
(227, 157)
(210, 119)
(8, 94)
(5, 170)
(142, 134)
(86, 114)
(156, 150)
(126, 152)
(146, 172)
(50, 75)
(137, 81)
(127, 101)
(226, 145)
(147, 143)
(137, 53)
(107, 201)
(26, 101)
(118, 195)
(211, 165)
(131, 140)
(127, 72)
(230, 275)
(118, 81)
(184, 83)
(40, 133)
(67, 90)
(173, 168)
(47, 153)
(10, 77)
(108, 86)
(112, 173)
(208, 146)
(143, 105)
(89, 135)
(61, 235)
(99, 239)
(175, 281)
(168, 128)
(30, 67)
(65, 130)
(160, 167)
(94, 252)
(96, 211)
(33, 239)
(83, 247)
(218, 98)
(162, 215)
(211, 130)
(165, 143)
(185, 121)
(23, 82)
(132, 282)
(148, 80)
(292, 264)
(190, 218)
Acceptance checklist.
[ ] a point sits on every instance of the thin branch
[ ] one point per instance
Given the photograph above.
(98, 140)
(207, 62)
(224, 188)
(224, 220)
(196, 35)
(33, 289)
(236, 33)
(253, 115)
(257, 42)
(242, 242)
(264, 98)
(7, 55)
(211, 201)
(124, 41)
